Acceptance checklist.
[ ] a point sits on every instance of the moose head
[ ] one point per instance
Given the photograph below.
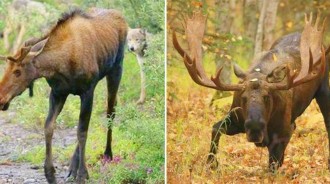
(19, 73)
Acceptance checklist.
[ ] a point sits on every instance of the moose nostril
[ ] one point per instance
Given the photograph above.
(255, 125)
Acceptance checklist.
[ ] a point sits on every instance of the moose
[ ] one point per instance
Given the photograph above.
(80, 50)
(277, 88)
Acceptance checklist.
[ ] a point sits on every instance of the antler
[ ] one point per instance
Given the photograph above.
(311, 50)
(3, 58)
(195, 28)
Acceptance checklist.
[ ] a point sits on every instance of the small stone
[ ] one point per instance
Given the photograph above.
(29, 181)
(253, 80)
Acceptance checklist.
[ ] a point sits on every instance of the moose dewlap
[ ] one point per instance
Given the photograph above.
(277, 88)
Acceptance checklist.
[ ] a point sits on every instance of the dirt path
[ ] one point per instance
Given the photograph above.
(15, 139)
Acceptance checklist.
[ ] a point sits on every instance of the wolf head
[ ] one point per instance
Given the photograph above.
(136, 40)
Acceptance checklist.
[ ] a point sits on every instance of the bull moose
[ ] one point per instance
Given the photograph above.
(276, 89)
(80, 50)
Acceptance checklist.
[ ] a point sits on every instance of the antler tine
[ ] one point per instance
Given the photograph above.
(223, 86)
(177, 45)
(194, 29)
(3, 58)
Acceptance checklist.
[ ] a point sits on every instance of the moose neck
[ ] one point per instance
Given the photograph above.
(44, 66)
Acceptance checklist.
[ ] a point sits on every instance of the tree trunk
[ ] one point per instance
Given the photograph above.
(249, 19)
(260, 29)
(225, 14)
(269, 23)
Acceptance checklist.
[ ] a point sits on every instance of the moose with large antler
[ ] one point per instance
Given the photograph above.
(277, 88)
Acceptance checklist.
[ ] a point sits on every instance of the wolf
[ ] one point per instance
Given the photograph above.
(137, 43)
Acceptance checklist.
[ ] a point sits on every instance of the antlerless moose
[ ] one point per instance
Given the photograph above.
(73, 57)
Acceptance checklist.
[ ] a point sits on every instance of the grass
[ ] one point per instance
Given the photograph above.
(189, 125)
(138, 131)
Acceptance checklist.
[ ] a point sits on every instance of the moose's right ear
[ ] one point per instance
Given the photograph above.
(38, 47)
(239, 72)
(278, 74)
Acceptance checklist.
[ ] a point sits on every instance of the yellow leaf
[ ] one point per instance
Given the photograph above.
(274, 57)
(289, 24)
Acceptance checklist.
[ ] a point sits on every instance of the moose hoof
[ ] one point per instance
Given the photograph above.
(50, 174)
(212, 162)
(82, 177)
(273, 167)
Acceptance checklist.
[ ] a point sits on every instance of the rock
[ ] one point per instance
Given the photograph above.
(29, 181)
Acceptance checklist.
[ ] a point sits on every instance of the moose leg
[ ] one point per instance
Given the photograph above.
(56, 103)
(227, 126)
(323, 100)
(113, 80)
(79, 169)
(276, 150)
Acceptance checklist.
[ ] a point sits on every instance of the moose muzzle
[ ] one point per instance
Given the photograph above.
(255, 130)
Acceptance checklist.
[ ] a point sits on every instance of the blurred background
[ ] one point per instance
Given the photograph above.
(138, 130)
(236, 31)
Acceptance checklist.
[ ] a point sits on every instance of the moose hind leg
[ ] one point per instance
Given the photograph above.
(55, 106)
(323, 100)
(227, 126)
(84, 118)
(74, 164)
(113, 81)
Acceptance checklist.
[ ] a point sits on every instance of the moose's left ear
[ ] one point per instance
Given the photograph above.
(20, 55)
(239, 72)
(38, 47)
(278, 74)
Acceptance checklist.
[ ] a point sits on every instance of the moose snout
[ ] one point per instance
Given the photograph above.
(255, 125)
(3, 104)
(255, 130)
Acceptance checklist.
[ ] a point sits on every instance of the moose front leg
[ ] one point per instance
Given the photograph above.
(323, 100)
(276, 150)
(56, 103)
(228, 126)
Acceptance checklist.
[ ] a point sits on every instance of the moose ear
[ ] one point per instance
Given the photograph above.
(38, 48)
(239, 72)
(277, 75)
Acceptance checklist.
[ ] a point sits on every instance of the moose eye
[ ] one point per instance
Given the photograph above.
(266, 98)
(17, 73)
(244, 100)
